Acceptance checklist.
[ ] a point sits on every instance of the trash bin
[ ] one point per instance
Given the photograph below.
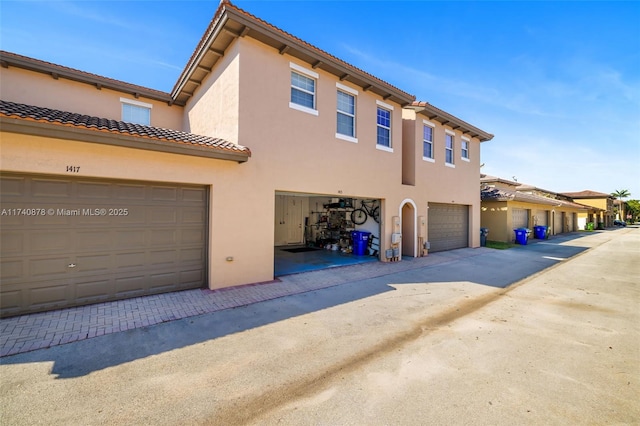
(540, 232)
(360, 242)
(522, 234)
(483, 236)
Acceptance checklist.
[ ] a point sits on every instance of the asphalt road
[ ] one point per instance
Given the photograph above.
(414, 348)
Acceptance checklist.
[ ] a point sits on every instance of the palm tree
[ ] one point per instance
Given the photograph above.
(621, 194)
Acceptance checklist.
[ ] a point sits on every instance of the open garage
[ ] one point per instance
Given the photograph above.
(316, 231)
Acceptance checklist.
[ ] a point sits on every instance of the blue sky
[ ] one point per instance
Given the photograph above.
(557, 83)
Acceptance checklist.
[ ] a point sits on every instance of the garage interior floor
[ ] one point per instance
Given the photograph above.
(310, 259)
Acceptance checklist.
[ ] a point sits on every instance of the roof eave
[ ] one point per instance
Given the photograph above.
(61, 131)
(8, 59)
(446, 119)
(231, 23)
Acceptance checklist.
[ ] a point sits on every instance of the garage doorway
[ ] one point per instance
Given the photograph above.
(448, 226)
(91, 240)
(313, 232)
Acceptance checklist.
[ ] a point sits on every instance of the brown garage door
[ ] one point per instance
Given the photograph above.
(448, 226)
(67, 242)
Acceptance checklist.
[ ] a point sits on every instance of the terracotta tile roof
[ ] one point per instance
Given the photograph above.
(435, 113)
(489, 178)
(312, 47)
(501, 194)
(227, 5)
(63, 118)
(586, 194)
(59, 71)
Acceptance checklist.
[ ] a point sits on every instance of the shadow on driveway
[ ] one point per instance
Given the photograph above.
(495, 268)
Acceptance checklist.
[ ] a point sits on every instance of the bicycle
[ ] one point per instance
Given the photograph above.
(366, 209)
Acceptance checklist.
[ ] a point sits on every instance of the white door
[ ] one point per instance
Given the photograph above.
(294, 221)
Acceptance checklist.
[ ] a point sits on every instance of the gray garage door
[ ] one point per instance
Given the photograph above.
(448, 226)
(67, 242)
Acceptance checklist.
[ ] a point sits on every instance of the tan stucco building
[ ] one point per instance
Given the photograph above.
(509, 205)
(602, 213)
(113, 190)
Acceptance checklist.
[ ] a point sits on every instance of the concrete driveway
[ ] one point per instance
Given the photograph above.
(443, 344)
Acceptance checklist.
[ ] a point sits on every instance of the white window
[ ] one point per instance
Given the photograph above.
(303, 89)
(464, 151)
(384, 127)
(427, 141)
(449, 139)
(136, 112)
(346, 114)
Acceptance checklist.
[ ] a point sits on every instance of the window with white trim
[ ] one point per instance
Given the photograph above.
(383, 127)
(448, 157)
(136, 112)
(303, 90)
(346, 123)
(427, 142)
(464, 151)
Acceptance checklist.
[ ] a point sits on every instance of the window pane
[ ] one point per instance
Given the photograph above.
(428, 133)
(449, 149)
(302, 82)
(136, 114)
(346, 103)
(428, 150)
(384, 137)
(384, 117)
(301, 98)
(345, 125)
(303, 90)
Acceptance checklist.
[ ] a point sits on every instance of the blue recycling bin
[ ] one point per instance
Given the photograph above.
(540, 232)
(522, 235)
(360, 242)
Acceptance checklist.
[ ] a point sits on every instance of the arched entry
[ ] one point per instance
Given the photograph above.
(408, 217)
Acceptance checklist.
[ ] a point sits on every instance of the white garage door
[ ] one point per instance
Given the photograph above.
(448, 226)
(69, 242)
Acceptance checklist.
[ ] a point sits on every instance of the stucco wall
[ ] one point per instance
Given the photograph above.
(494, 216)
(437, 182)
(34, 88)
(213, 110)
(233, 213)
(498, 217)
